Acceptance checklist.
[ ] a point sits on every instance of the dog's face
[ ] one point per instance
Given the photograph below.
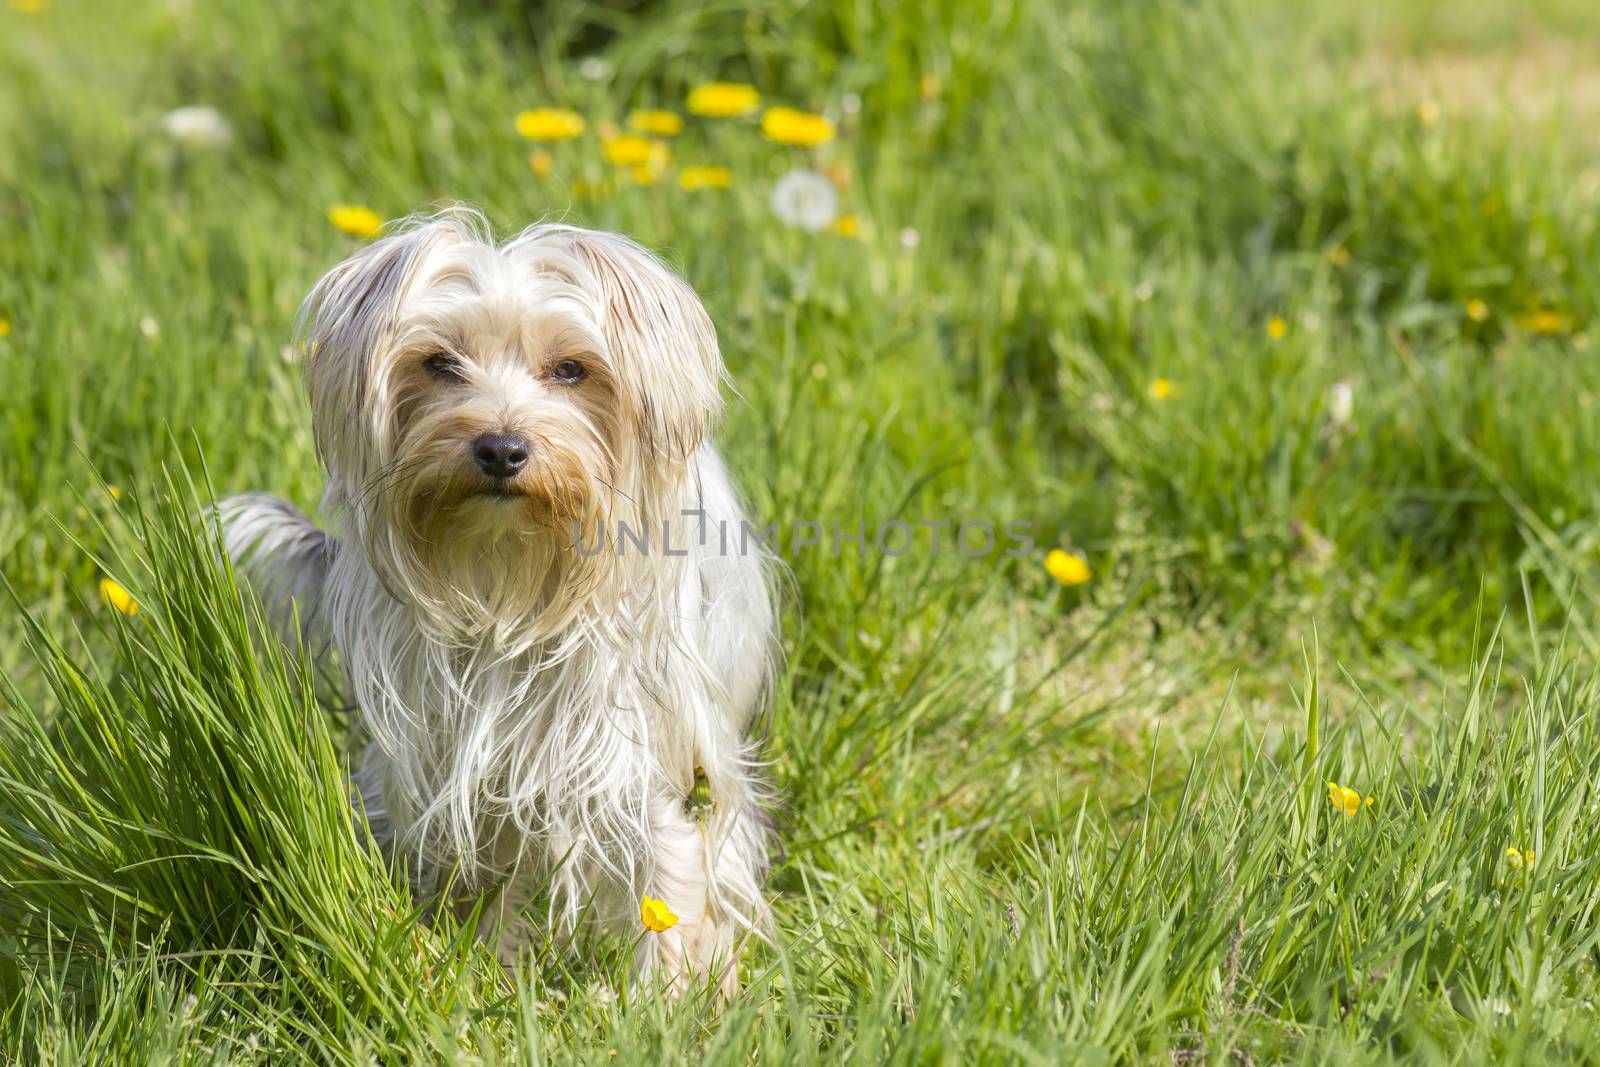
(468, 396)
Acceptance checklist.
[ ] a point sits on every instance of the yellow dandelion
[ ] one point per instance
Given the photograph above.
(540, 163)
(692, 178)
(658, 123)
(847, 226)
(722, 100)
(114, 596)
(1477, 310)
(355, 220)
(628, 150)
(1277, 328)
(1544, 321)
(789, 126)
(1338, 255)
(549, 124)
(1162, 389)
(5, 327)
(656, 915)
(1066, 567)
(1514, 858)
(28, 7)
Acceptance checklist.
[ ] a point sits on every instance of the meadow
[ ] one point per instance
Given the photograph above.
(1273, 322)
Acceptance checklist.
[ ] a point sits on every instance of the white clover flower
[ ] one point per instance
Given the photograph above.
(805, 199)
(197, 126)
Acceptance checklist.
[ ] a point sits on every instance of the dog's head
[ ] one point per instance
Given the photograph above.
(476, 403)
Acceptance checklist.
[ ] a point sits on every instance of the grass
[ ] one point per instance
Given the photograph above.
(1023, 822)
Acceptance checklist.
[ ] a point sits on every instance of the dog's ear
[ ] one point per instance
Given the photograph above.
(346, 326)
(660, 337)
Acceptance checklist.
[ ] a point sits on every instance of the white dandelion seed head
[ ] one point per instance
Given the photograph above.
(1341, 403)
(594, 69)
(910, 239)
(197, 126)
(805, 199)
(850, 103)
(149, 326)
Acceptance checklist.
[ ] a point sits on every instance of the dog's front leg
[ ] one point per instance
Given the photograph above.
(704, 943)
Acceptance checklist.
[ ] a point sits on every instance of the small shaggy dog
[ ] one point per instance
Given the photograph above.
(547, 719)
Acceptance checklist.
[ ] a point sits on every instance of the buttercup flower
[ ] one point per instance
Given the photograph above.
(1162, 389)
(114, 596)
(197, 126)
(788, 126)
(659, 123)
(5, 327)
(355, 220)
(540, 163)
(847, 226)
(722, 100)
(1345, 799)
(1277, 328)
(805, 199)
(692, 178)
(1545, 321)
(1477, 310)
(1519, 859)
(1067, 567)
(549, 124)
(656, 916)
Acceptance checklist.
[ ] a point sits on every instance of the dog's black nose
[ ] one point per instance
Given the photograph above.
(500, 455)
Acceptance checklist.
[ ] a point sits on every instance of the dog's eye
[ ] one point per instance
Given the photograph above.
(569, 370)
(444, 367)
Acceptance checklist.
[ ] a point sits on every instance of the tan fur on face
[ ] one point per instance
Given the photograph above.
(397, 436)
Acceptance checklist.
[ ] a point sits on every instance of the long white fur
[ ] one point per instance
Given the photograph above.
(536, 714)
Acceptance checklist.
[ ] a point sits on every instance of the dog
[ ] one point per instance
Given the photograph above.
(549, 723)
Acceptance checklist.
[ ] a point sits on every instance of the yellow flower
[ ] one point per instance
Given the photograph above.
(627, 150)
(692, 178)
(847, 226)
(723, 100)
(1428, 112)
(116, 493)
(643, 175)
(1162, 389)
(28, 7)
(1346, 800)
(354, 220)
(1277, 328)
(1338, 255)
(1545, 321)
(1066, 567)
(540, 163)
(1477, 310)
(5, 327)
(1519, 859)
(114, 596)
(549, 124)
(788, 126)
(660, 123)
(656, 915)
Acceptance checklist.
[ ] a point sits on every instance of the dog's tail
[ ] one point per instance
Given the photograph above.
(283, 557)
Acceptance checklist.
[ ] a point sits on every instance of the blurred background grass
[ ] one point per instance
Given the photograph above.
(1356, 241)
